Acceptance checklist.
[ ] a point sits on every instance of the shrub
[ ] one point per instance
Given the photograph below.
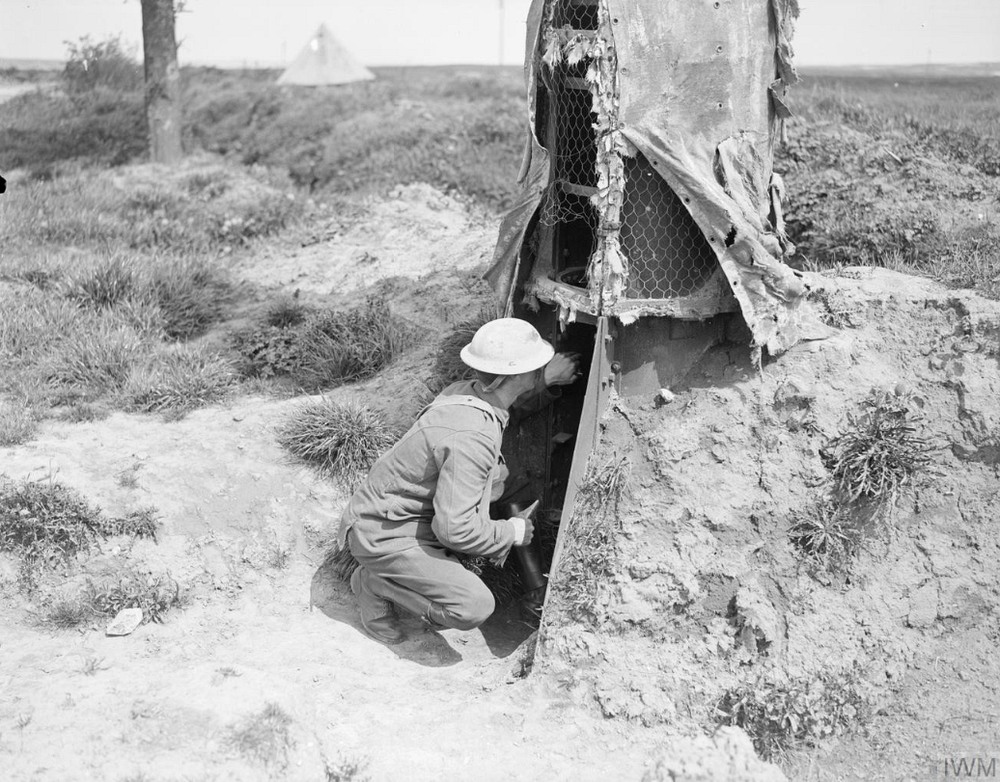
(101, 127)
(880, 450)
(154, 594)
(341, 347)
(343, 440)
(92, 64)
(177, 380)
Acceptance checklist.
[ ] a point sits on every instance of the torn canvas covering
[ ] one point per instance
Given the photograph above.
(693, 93)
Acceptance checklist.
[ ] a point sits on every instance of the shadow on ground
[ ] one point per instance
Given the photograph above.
(498, 638)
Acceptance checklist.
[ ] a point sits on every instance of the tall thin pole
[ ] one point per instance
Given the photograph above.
(501, 35)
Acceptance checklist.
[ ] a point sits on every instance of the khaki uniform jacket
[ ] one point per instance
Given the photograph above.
(433, 486)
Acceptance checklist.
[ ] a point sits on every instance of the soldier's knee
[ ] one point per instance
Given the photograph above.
(474, 609)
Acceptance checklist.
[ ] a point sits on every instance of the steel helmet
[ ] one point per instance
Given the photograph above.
(507, 346)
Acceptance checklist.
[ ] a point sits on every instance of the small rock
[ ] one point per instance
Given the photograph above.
(125, 622)
(664, 396)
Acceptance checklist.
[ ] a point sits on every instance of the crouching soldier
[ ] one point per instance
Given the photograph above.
(428, 497)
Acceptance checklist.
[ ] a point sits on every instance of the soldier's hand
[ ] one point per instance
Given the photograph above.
(562, 370)
(529, 532)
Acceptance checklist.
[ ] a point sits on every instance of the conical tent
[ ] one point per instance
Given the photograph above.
(324, 61)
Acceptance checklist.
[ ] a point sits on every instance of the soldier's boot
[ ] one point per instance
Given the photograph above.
(433, 614)
(378, 617)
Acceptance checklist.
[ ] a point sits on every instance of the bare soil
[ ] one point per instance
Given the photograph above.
(626, 700)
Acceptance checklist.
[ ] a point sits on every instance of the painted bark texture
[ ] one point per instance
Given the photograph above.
(163, 89)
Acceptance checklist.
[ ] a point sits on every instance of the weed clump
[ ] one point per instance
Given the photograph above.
(827, 534)
(346, 769)
(879, 451)
(324, 348)
(779, 716)
(590, 559)
(45, 521)
(138, 523)
(264, 737)
(154, 594)
(343, 440)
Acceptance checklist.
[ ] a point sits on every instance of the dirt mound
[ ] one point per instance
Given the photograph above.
(712, 611)
(414, 232)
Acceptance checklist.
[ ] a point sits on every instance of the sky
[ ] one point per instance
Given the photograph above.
(425, 32)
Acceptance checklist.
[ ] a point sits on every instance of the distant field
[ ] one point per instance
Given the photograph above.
(895, 167)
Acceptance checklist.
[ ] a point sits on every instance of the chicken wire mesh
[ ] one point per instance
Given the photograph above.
(568, 133)
(578, 14)
(667, 254)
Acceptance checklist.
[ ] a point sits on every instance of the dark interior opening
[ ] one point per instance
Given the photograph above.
(538, 446)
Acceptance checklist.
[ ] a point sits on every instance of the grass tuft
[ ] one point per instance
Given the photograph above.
(191, 296)
(177, 380)
(264, 737)
(18, 423)
(343, 440)
(342, 347)
(880, 450)
(107, 284)
(67, 614)
(94, 360)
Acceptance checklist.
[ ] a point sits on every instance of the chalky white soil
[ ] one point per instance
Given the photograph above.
(617, 702)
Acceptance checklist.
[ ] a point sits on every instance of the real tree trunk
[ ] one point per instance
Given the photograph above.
(163, 86)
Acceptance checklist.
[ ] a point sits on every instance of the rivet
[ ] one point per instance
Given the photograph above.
(718, 105)
(719, 48)
(717, 5)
